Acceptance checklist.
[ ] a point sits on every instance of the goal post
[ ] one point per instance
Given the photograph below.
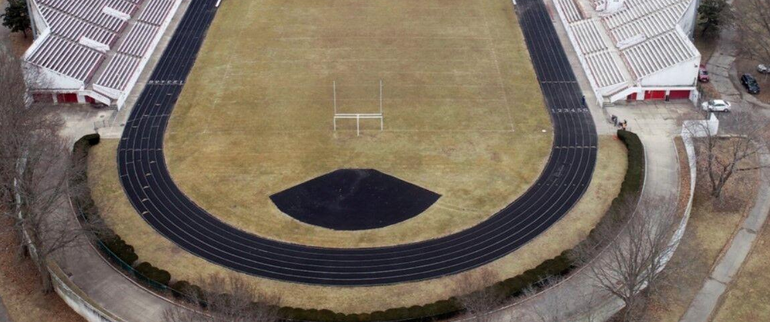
(356, 116)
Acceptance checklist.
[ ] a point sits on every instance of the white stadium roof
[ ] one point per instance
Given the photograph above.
(98, 42)
(620, 48)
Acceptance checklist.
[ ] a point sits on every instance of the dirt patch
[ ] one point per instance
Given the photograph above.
(20, 289)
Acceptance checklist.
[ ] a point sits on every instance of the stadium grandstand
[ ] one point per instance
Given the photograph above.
(634, 49)
(92, 51)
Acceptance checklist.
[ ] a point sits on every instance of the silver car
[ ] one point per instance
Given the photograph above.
(716, 106)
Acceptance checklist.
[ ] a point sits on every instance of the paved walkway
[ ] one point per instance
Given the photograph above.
(97, 278)
(3, 313)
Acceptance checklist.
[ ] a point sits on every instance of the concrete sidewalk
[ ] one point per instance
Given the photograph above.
(3, 313)
(98, 279)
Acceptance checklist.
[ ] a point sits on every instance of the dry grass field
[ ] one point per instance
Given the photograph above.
(464, 116)
(154, 248)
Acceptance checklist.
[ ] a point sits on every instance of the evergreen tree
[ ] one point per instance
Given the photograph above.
(16, 16)
(713, 15)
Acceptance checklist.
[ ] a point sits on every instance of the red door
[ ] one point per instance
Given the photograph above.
(90, 100)
(655, 95)
(631, 97)
(679, 95)
(67, 98)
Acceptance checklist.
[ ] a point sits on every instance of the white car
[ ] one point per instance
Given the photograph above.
(763, 69)
(716, 106)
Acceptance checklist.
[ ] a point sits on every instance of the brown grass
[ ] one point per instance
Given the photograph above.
(154, 248)
(20, 289)
(712, 224)
(748, 298)
(463, 111)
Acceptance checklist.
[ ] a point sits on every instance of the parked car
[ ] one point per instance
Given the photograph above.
(716, 106)
(703, 74)
(750, 83)
(763, 69)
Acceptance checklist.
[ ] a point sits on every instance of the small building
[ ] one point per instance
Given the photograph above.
(92, 51)
(634, 49)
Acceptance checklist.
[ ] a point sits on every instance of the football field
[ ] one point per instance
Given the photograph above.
(463, 114)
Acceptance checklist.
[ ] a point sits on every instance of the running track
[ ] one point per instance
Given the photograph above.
(146, 180)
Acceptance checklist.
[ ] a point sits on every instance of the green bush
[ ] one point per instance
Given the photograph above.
(153, 273)
(187, 291)
(632, 183)
(122, 251)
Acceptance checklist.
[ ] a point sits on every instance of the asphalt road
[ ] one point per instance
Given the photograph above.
(146, 180)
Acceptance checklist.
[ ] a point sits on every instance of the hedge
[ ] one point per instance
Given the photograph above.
(153, 273)
(89, 212)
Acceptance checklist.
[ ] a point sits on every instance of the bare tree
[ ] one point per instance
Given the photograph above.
(34, 168)
(226, 298)
(478, 299)
(561, 305)
(629, 268)
(724, 155)
(754, 29)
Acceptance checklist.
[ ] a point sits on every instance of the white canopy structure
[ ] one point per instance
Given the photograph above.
(634, 49)
(93, 51)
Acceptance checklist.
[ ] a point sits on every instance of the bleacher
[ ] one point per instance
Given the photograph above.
(588, 36)
(101, 39)
(605, 69)
(659, 53)
(113, 75)
(636, 9)
(66, 57)
(138, 39)
(571, 10)
(651, 25)
(72, 28)
(93, 11)
(619, 49)
(156, 11)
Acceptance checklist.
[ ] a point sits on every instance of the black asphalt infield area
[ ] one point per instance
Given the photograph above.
(354, 199)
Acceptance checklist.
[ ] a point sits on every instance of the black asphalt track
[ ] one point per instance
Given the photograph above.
(148, 185)
(354, 199)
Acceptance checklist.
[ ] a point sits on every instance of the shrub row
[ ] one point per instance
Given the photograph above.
(116, 247)
(153, 274)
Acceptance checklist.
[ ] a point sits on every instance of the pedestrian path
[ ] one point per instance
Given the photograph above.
(3, 313)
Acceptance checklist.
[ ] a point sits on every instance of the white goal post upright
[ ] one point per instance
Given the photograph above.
(356, 116)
